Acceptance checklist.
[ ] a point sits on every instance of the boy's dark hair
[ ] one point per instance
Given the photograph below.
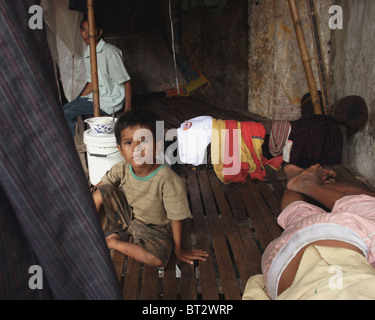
(146, 119)
(98, 24)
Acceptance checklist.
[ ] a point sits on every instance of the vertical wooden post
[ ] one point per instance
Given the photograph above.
(305, 57)
(324, 85)
(93, 60)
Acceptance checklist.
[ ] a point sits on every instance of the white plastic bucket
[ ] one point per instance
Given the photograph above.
(102, 154)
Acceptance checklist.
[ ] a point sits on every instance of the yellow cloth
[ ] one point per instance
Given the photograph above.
(324, 273)
(218, 148)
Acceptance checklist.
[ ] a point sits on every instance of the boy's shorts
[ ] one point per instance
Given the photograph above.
(157, 240)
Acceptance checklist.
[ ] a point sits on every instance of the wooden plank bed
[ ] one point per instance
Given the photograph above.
(234, 222)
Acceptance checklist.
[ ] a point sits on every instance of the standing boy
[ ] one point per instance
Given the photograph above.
(143, 197)
(115, 92)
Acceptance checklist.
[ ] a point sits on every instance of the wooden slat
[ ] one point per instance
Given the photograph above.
(150, 279)
(206, 269)
(227, 274)
(234, 198)
(263, 233)
(343, 176)
(346, 176)
(275, 179)
(188, 283)
(267, 216)
(131, 281)
(234, 231)
(253, 252)
(169, 289)
(118, 260)
(270, 198)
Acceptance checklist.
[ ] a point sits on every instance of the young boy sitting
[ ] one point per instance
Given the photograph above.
(145, 198)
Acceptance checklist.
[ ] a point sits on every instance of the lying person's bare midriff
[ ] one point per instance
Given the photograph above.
(288, 275)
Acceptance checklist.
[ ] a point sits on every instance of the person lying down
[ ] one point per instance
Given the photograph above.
(320, 254)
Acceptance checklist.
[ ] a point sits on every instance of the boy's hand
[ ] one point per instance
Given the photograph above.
(189, 256)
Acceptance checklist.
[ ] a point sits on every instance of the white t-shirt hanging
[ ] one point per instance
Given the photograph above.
(287, 150)
(193, 137)
(287, 147)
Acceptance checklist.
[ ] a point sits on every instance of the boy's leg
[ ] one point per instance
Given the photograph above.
(78, 107)
(132, 250)
(98, 199)
(152, 245)
(115, 213)
(157, 240)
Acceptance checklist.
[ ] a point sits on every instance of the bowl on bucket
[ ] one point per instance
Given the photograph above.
(101, 125)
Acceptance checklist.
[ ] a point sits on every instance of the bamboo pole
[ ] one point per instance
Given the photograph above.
(93, 59)
(305, 57)
(319, 54)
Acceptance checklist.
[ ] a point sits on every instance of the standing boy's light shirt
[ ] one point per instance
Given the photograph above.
(112, 75)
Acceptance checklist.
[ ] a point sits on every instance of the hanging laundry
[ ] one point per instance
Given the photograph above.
(193, 137)
(279, 135)
(287, 150)
(196, 82)
(236, 151)
(254, 134)
(237, 161)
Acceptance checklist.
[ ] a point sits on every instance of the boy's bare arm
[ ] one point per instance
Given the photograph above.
(187, 256)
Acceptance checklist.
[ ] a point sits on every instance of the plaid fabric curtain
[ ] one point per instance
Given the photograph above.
(48, 223)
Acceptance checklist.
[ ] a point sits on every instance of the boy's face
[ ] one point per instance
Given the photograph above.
(137, 146)
(85, 33)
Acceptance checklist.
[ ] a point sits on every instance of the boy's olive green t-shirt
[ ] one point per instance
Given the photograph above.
(155, 199)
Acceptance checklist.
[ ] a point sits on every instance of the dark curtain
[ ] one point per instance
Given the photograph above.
(47, 217)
